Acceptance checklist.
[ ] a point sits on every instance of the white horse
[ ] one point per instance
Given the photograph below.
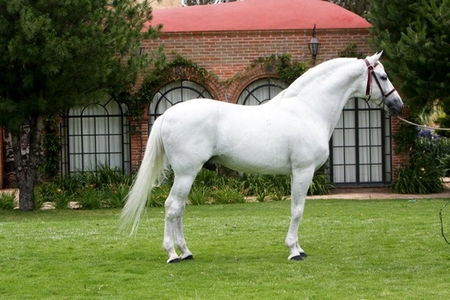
(287, 135)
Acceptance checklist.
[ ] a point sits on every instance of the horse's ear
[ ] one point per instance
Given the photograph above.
(374, 58)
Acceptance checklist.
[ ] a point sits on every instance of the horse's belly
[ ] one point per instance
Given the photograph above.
(255, 160)
(248, 167)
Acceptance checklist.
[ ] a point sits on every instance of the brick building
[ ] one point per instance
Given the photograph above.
(225, 40)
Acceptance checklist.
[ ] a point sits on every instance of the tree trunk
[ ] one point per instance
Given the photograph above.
(27, 159)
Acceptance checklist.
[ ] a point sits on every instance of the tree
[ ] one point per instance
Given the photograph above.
(203, 2)
(58, 54)
(416, 40)
(359, 7)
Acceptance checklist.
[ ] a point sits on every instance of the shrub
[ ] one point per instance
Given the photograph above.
(7, 201)
(428, 163)
(107, 188)
(104, 188)
(227, 195)
(52, 192)
(200, 195)
(319, 185)
(115, 195)
(90, 197)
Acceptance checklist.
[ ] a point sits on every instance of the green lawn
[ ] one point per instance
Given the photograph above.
(357, 250)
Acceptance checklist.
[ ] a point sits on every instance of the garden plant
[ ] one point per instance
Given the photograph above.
(107, 188)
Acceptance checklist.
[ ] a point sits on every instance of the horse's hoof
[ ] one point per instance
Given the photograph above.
(175, 260)
(303, 254)
(297, 257)
(189, 257)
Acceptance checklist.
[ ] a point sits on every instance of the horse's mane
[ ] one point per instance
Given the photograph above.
(319, 72)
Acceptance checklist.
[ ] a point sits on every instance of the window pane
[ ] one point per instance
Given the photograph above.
(261, 91)
(173, 93)
(93, 134)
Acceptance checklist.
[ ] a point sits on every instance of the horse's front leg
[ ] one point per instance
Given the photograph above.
(299, 187)
(173, 229)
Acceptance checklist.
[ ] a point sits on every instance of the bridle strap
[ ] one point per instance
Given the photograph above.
(369, 78)
(371, 73)
(379, 85)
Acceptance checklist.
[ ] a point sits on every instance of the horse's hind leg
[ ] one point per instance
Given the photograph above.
(173, 230)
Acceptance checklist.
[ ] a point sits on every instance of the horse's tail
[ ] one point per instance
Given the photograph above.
(151, 174)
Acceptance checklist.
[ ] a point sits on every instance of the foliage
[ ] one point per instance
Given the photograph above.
(107, 188)
(405, 136)
(351, 51)
(372, 249)
(319, 185)
(51, 144)
(414, 36)
(203, 2)
(156, 75)
(51, 62)
(104, 188)
(227, 195)
(283, 64)
(7, 201)
(428, 163)
(359, 7)
(159, 196)
(52, 192)
(55, 56)
(288, 70)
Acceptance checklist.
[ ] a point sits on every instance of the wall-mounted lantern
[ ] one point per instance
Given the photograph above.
(314, 44)
(141, 50)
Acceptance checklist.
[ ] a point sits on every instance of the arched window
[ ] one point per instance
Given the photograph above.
(261, 90)
(173, 93)
(94, 136)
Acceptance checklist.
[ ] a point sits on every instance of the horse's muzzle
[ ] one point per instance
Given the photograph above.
(395, 106)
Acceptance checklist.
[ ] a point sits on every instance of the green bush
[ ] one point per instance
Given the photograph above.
(115, 195)
(227, 195)
(104, 188)
(90, 197)
(159, 195)
(7, 201)
(428, 162)
(319, 185)
(107, 188)
(200, 195)
(52, 192)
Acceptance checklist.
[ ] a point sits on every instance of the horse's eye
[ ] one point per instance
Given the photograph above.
(384, 77)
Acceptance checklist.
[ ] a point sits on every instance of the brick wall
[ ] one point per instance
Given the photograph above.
(230, 52)
(398, 160)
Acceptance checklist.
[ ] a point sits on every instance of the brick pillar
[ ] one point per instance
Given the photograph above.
(398, 160)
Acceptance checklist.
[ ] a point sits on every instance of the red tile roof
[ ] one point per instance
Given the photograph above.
(258, 15)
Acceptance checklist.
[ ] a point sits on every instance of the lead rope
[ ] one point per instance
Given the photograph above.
(442, 209)
(421, 126)
(442, 223)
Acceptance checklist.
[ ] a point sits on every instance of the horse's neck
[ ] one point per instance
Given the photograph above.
(325, 89)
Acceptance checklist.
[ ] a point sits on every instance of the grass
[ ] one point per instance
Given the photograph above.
(357, 250)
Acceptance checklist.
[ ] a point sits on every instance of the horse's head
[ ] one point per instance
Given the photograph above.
(384, 92)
